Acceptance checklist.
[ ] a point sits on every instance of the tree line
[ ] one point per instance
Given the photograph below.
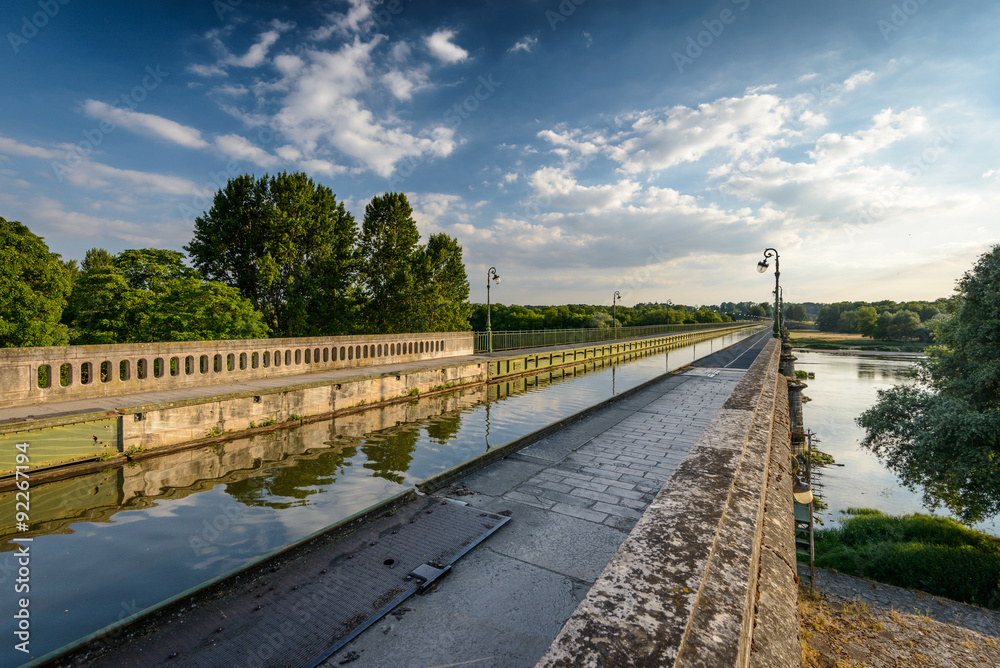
(577, 316)
(885, 320)
(274, 256)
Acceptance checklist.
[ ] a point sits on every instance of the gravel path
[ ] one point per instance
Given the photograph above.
(857, 622)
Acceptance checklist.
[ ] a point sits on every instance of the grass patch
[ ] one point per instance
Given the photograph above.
(933, 554)
(836, 341)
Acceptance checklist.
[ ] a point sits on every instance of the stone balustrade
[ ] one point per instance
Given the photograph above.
(63, 373)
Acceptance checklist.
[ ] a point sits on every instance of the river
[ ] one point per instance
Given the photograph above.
(844, 386)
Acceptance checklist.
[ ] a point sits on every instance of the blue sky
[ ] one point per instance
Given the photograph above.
(581, 147)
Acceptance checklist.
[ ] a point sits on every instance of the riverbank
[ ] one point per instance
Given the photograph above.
(852, 344)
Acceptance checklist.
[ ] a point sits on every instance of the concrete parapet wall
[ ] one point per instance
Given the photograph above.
(61, 373)
(706, 577)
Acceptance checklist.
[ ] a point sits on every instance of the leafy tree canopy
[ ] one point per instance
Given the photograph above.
(287, 245)
(149, 295)
(34, 284)
(943, 434)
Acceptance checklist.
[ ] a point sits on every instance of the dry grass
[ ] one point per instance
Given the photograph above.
(838, 633)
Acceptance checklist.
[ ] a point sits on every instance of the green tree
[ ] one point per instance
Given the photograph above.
(848, 322)
(149, 295)
(904, 325)
(34, 284)
(943, 434)
(795, 312)
(387, 246)
(866, 318)
(287, 245)
(442, 303)
(105, 309)
(190, 309)
(883, 327)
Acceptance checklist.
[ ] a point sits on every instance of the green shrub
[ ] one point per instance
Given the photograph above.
(933, 554)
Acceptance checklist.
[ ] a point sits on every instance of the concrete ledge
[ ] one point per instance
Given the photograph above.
(683, 588)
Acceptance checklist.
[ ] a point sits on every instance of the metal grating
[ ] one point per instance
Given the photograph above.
(305, 611)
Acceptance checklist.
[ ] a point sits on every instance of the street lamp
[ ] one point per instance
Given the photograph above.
(495, 277)
(614, 303)
(762, 267)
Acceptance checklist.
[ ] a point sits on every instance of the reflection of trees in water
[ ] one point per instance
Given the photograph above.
(883, 371)
(290, 486)
(444, 427)
(389, 453)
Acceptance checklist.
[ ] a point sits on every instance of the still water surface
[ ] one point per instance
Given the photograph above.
(845, 385)
(110, 544)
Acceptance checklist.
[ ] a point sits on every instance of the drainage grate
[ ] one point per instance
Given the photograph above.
(305, 611)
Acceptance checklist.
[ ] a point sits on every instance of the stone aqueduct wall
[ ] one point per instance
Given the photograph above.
(62, 373)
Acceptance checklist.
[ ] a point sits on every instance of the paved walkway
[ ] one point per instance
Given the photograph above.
(573, 497)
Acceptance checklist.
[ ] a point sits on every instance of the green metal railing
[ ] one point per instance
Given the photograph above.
(538, 338)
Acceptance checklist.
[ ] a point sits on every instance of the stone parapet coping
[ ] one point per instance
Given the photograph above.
(683, 588)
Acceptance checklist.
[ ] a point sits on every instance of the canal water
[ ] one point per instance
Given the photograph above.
(844, 386)
(110, 544)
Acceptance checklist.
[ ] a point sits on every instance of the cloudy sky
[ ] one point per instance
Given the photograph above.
(581, 147)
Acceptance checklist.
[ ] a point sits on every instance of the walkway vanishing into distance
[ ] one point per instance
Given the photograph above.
(573, 497)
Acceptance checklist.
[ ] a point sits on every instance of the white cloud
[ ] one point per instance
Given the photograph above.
(207, 70)
(240, 148)
(400, 52)
(148, 124)
(887, 128)
(442, 48)
(855, 80)
(98, 175)
(324, 111)
(403, 84)
(14, 147)
(357, 19)
(52, 219)
(526, 44)
(257, 53)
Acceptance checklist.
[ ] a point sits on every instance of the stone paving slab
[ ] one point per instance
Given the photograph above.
(573, 497)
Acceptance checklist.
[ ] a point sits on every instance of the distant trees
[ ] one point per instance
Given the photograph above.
(884, 320)
(795, 312)
(34, 284)
(575, 316)
(943, 435)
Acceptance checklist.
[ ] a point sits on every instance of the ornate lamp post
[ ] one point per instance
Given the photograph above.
(762, 267)
(495, 277)
(614, 303)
